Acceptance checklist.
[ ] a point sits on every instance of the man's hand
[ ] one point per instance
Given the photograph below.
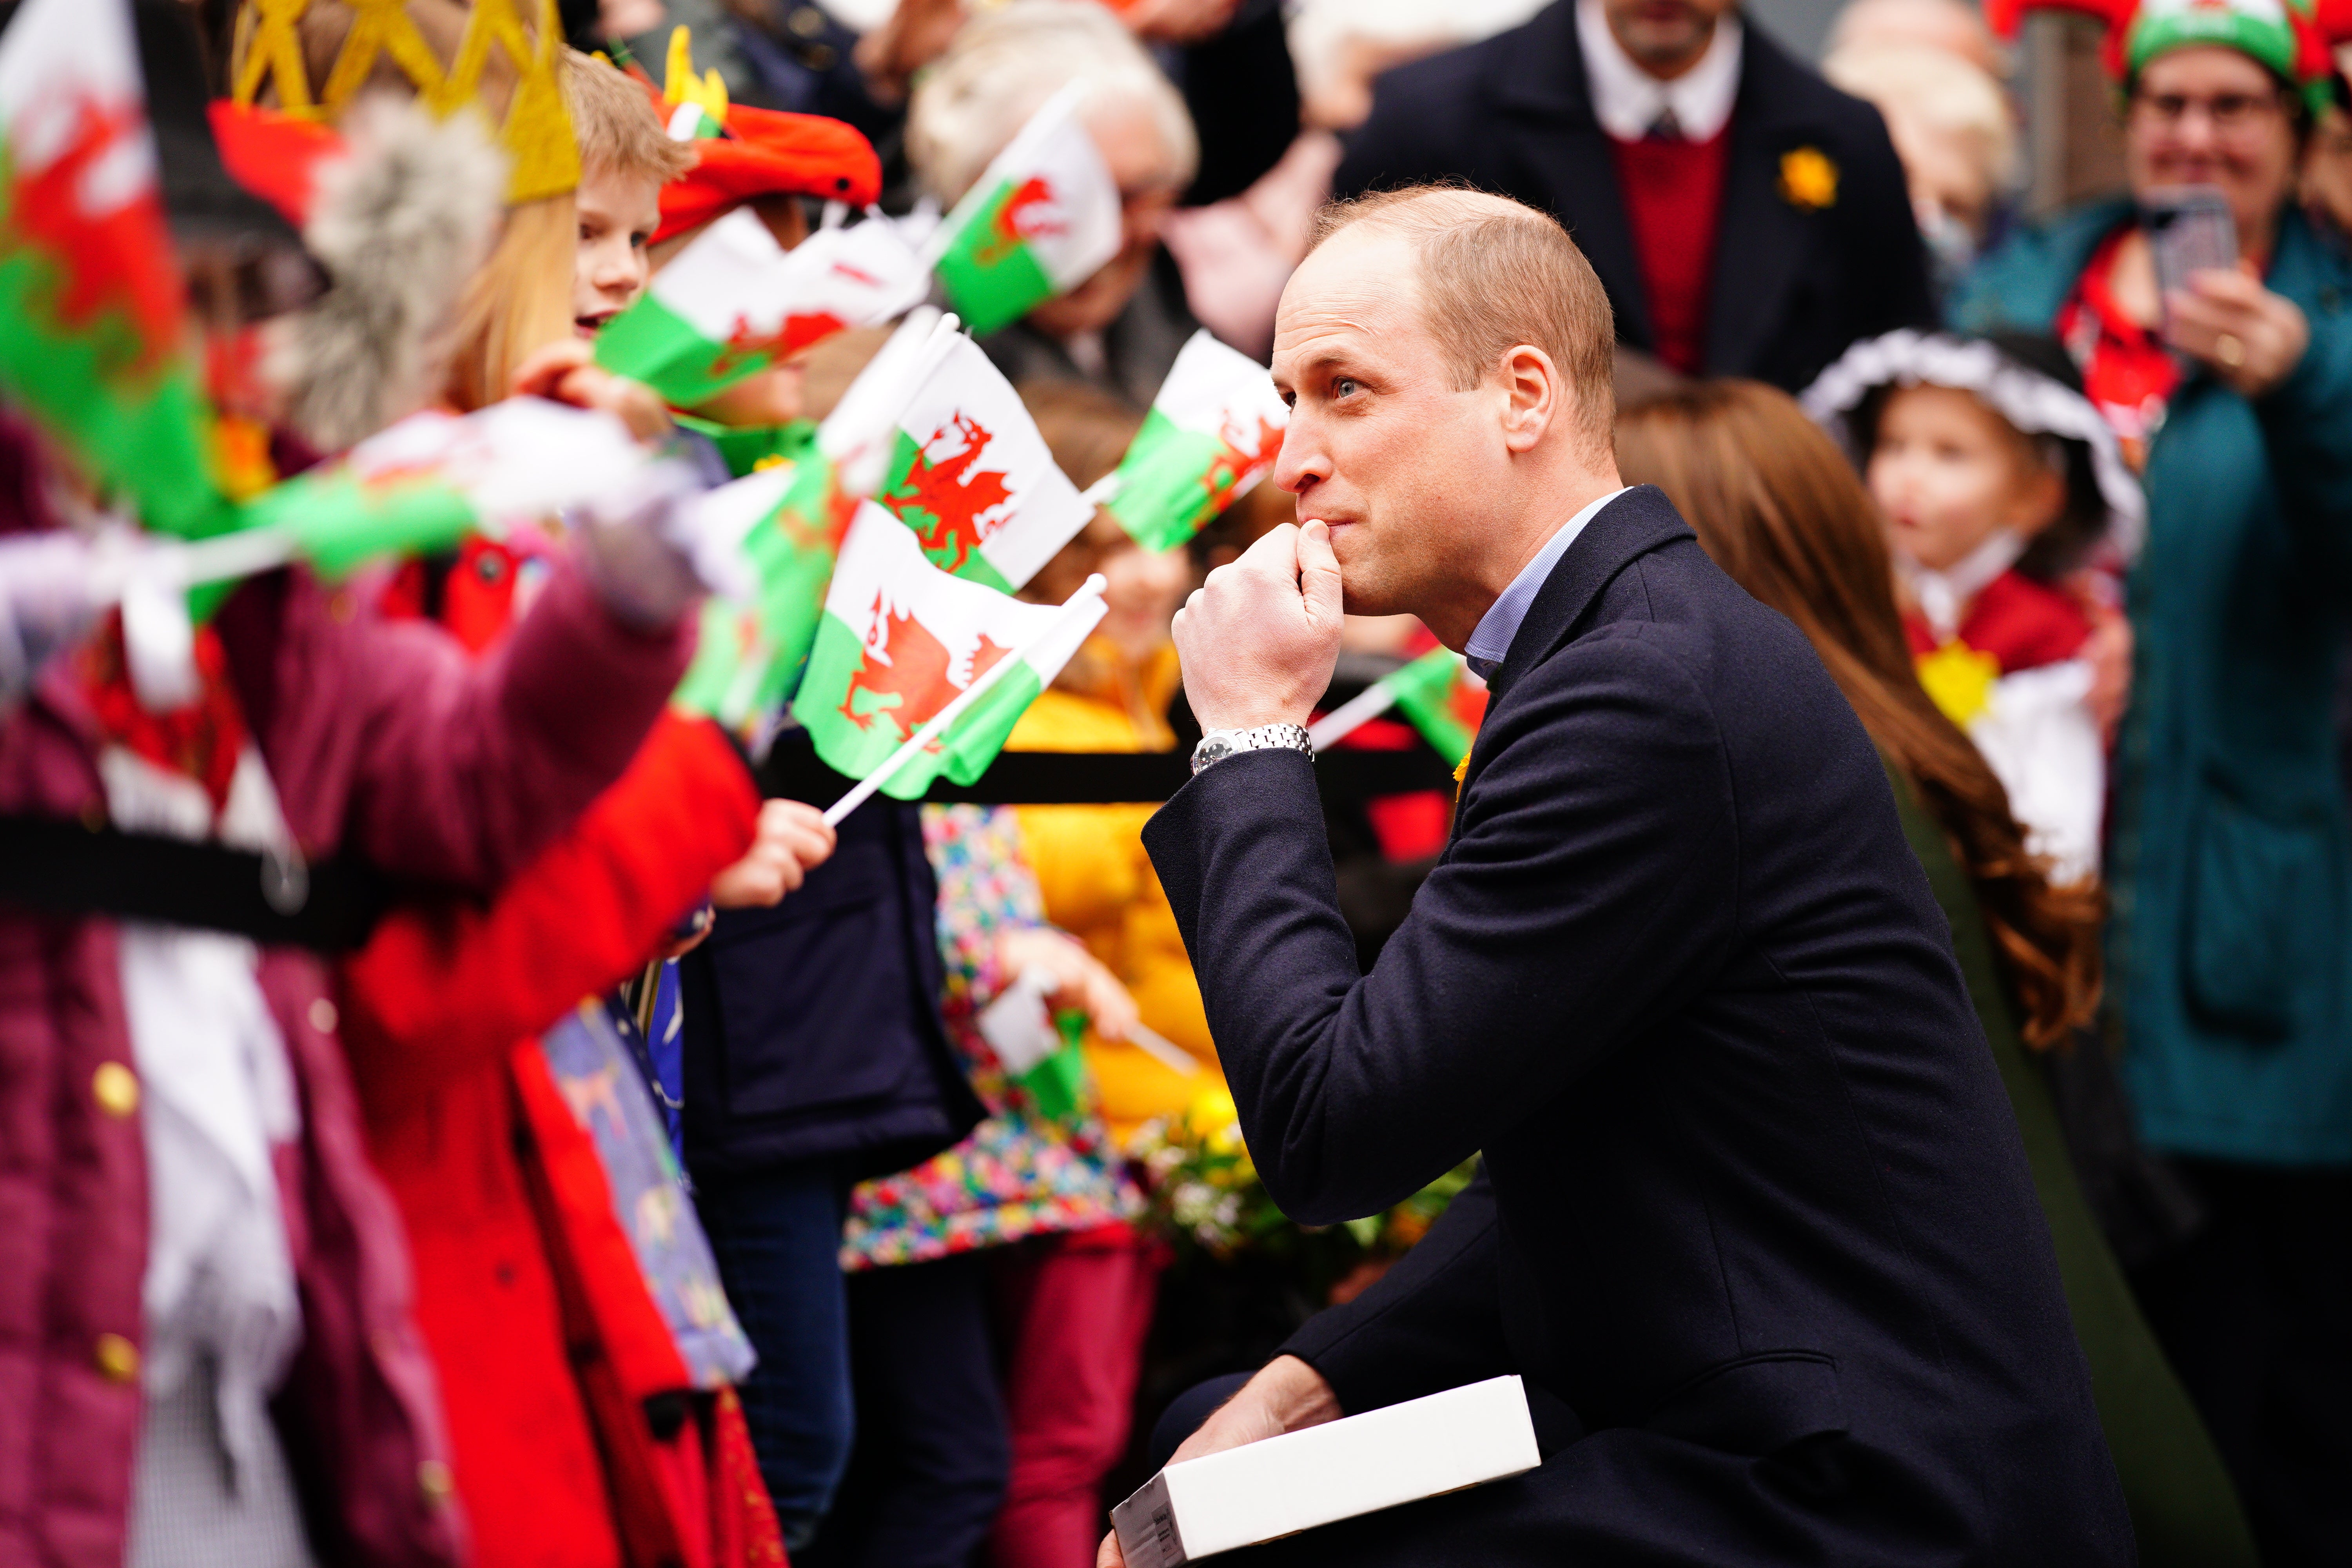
(2251, 338)
(1258, 640)
(1286, 1395)
(792, 840)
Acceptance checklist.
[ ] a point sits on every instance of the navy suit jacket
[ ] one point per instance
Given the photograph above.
(1793, 284)
(1755, 1206)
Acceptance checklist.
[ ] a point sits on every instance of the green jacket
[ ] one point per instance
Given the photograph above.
(2229, 856)
(2184, 1511)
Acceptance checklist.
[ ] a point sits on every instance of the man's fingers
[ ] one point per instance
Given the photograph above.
(1318, 574)
(1111, 1556)
(1276, 551)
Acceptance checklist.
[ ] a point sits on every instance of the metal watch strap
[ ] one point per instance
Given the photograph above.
(1218, 745)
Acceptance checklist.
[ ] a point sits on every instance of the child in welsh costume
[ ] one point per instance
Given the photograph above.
(1997, 481)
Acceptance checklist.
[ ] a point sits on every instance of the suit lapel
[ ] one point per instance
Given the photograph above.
(1634, 524)
(1542, 89)
(1762, 241)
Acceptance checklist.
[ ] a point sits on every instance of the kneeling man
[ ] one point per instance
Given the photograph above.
(1754, 1206)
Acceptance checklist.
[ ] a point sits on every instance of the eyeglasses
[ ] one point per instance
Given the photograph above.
(2227, 113)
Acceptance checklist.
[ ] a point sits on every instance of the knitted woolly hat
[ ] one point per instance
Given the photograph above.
(766, 154)
(2277, 34)
(2288, 37)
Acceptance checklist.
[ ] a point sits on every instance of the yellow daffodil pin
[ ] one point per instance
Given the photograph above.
(1809, 181)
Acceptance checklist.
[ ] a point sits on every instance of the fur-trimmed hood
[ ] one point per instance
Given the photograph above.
(400, 222)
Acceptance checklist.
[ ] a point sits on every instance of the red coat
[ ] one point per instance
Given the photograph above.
(548, 1341)
(387, 739)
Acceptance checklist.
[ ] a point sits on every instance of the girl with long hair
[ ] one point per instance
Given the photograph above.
(1780, 509)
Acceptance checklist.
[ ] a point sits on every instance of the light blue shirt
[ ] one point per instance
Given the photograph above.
(1500, 624)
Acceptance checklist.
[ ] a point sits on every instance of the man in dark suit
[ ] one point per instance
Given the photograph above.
(1745, 217)
(1755, 1223)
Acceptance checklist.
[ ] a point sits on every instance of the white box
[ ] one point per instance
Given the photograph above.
(1463, 1437)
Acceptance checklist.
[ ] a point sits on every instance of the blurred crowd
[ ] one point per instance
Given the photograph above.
(320, 1246)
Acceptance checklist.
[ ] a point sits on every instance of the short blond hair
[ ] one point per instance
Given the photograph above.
(1495, 273)
(614, 120)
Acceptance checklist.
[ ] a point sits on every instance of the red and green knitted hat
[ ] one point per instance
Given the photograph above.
(2278, 34)
(2289, 38)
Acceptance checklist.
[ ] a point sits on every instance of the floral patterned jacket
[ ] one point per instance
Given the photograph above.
(1020, 1173)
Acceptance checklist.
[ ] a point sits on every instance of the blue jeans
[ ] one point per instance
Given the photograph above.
(777, 1236)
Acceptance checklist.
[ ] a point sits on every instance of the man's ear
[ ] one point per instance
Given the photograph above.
(1536, 397)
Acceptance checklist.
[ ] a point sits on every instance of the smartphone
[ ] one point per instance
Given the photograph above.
(2188, 230)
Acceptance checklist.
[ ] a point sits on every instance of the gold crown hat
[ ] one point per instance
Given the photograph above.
(537, 134)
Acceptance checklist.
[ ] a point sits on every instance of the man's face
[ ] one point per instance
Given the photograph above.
(618, 213)
(1665, 38)
(1380, 447)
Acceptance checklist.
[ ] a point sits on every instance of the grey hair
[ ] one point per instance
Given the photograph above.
(1003, 67)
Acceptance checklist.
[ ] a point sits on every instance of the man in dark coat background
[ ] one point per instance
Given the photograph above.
(1745, 217)
(1755, 1224)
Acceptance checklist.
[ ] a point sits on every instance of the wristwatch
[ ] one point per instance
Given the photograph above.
(1218, 745)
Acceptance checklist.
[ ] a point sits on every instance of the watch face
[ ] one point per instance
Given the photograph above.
(1216, 749)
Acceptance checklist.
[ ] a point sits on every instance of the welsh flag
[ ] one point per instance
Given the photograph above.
(1213, 431)
(970, 475)
(1439, 696)
(750, 652)
(735, 302)
(518, 457)
(89, 296)
(900, 640)
(1044, 218)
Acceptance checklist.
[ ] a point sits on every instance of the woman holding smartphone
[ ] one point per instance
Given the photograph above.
(2230, 951)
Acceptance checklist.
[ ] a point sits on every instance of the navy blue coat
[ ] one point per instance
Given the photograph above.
(813, 1029)
(1793, 284)
(1755, 1206)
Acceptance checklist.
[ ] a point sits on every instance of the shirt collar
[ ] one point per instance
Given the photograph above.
(1627, 100)
(1496, 628)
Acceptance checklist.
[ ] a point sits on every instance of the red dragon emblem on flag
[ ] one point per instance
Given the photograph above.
(745, 343)
(907, 677)
(114, 258)
(1234, 463)
(946, 502)
(1030, 212)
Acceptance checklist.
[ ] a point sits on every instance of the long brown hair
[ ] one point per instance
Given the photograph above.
(1782, 510)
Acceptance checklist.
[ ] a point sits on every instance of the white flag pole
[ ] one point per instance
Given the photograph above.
(1344, 721)
(1164, 1051)
(177, 566)
(1087, 597)
(855, 434)
(1104, 491)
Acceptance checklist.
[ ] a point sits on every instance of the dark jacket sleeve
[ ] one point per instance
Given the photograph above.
(1434, 1321)
(1895, 292)
(443, 768)
(1426, 118)
(1593, 887)
(1243, 95)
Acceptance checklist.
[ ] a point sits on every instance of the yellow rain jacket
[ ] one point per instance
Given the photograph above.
(1100, 885)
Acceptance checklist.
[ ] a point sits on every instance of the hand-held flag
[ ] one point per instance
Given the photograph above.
(1044, 218)
(916, 673)
(1213, 432)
